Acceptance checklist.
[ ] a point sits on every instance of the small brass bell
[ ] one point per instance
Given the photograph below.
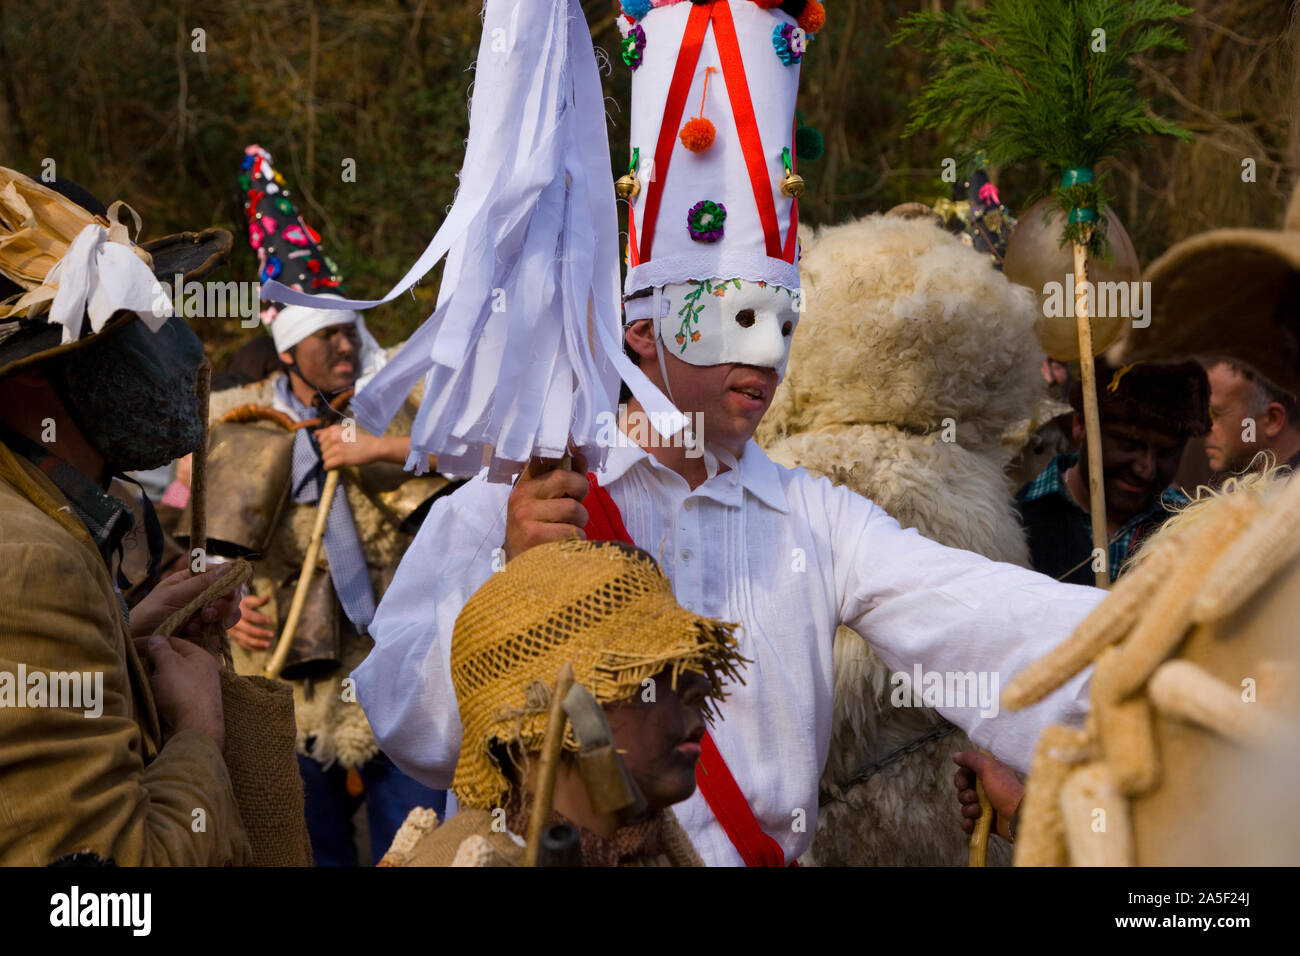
(627, 186)
(792, 185)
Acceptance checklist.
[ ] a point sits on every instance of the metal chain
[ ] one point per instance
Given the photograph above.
(871, 769)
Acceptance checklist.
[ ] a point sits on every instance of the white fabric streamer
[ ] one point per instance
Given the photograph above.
(522, 353)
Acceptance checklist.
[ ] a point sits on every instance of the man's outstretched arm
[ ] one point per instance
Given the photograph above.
(969, 624)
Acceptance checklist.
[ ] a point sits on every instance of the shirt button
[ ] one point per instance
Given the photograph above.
(687, 554)
(689, 606)
(690, 505)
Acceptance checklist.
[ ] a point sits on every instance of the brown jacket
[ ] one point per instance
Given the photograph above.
(104, 784)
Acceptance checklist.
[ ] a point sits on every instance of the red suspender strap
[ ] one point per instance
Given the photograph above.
(604, 523)
(712, 776)
(729, 806)
(687, 57)
(742, 109)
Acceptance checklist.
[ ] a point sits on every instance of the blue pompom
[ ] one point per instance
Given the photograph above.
(636, 9)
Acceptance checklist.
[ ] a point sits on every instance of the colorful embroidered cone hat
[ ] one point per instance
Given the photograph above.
(290, 252)
(71, 273)
(603, 606)
(712, 248)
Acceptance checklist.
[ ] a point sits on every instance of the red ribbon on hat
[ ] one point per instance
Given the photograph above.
(742, 107)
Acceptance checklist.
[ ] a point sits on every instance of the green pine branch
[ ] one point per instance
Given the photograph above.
(1027, 81)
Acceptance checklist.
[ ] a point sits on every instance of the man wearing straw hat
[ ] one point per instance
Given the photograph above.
(102, 754)
(657, 669)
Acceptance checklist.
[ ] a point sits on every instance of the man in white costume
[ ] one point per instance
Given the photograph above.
(712, 302)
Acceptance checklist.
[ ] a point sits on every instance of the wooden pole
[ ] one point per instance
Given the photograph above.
(544, 794)
(979, 838)
(276, 663)
(199, 472)
(1091, 415)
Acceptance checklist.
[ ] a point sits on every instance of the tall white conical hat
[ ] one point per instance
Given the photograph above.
(712, 227)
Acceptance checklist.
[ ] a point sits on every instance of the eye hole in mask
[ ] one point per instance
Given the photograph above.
(787, 329)
(745, 318)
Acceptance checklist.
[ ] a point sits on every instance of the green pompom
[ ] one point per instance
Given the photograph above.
(808, 143)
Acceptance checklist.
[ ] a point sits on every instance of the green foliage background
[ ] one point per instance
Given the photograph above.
(113, 93)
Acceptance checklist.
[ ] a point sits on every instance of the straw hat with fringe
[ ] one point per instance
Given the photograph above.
(38, 228)
(1231, 293)
(601, 605)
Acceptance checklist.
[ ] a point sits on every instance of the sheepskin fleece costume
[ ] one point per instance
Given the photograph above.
(323, 711)
(913, 361)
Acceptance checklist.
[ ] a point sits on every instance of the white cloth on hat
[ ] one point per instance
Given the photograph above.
(97, 277)
(522, 354)
(729, 547)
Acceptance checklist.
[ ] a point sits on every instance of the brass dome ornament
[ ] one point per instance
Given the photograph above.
(1036, 259)
(792, 185)
(627, 186)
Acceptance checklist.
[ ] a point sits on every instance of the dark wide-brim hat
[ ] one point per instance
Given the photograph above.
(1169, 397)
(1229, 293)
(37, 224)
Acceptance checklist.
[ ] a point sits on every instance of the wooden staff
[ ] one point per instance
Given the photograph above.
(199, 471)
(276, 663)
(215, 637)
(1091, 414)
(979, 838)
(544, 793)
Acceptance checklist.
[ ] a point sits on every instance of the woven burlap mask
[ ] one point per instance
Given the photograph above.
(132, 395)
(602, 606)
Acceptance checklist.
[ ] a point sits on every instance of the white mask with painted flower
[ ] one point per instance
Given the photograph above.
(724, 321)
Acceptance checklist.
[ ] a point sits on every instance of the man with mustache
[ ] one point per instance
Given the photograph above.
(1148, 412)
(324, 355)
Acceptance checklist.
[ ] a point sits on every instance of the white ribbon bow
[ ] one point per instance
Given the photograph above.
(100, 274)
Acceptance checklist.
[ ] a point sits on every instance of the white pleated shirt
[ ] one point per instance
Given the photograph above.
(786, 555)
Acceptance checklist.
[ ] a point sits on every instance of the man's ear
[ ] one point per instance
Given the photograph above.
(1274, 420)
(640, 337)
(1077, 431)
(286, 358)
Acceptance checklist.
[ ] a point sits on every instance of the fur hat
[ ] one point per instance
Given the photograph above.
(1172, 398)
(907, 326)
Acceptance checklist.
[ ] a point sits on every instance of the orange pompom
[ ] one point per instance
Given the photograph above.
(697, 135)
(813, 17)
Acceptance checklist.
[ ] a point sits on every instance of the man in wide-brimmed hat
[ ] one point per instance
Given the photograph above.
(1148, 413)
(97, 378)
(606, 608)
(1231, 297)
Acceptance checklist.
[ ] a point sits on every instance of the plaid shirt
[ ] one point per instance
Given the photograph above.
(106, 518)
(1052, 482)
